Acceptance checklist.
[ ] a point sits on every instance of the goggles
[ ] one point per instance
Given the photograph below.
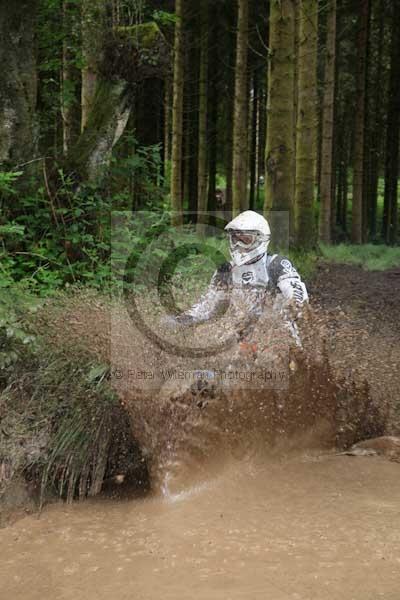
(245, 239)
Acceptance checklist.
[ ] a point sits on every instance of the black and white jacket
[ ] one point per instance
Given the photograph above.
(269, 274)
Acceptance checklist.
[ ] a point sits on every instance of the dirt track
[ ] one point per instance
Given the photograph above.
(360, 292)
(362, 311)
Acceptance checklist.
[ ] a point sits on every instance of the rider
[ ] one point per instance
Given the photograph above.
(252, 270)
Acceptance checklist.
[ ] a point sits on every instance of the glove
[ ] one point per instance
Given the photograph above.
(294, 289)
(299, 291)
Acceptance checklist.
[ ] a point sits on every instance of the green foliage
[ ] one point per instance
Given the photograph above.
(164, 18)
(305, 262)
(369, 256)
(148, 252)
(16, 339)
(47, 236)
(135, 178)
(7, 182)
(52, 239)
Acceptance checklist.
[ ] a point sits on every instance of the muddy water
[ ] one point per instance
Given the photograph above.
(301, 527)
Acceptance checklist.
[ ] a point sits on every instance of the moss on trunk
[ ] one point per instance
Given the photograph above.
(241, 107)
(93, 26)
(144, 36)
(279, 183)
(130, 55)
(306, 138)
(328, 105)
(91, 155)
(177, 115)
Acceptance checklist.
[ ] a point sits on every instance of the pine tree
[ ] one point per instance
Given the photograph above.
(202, 196)
(167, 121)
(177, 114)
(254, 142)
(215, 77)
(69, 105)
(328, 105)
(18, 82)
(279, 154)
(375, 117)
(359, 128)
(393, 134)
(93, 27)
(306, 138)
(240, 160)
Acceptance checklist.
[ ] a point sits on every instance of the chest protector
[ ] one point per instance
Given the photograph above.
(252, 275)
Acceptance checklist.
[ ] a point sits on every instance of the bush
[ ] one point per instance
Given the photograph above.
(16, 341)
(56, 231)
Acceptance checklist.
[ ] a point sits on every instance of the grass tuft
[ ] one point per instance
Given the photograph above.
(62, 426)
(368, 256)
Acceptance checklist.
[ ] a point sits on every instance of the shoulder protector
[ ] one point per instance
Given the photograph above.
(281, 268)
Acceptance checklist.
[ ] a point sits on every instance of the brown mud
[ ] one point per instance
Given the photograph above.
(362, 316)
(342, 386)
(296, 528)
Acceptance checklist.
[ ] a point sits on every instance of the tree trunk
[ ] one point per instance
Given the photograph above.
(202, 195)
(90, 156)
(358, 165)
(254, 145)
(262, 132)
(367, 136)
(93, 28)
(191, 135)
(18, 84)
(339, 192)
(177, 115)
(229, 159)
(213, 105)
(328, 104)
(393, 133)
(306, 139)
(279, 162)
(297, 18)
(336, 150)
(229, 108)
(69, 103)
(239, 192)
(376, 120)
(167, 122)
(213, 152)
(344, 202)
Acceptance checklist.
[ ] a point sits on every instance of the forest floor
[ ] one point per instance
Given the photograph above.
(363, 315)
(370, 294)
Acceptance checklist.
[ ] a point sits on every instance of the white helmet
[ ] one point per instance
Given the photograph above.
(249, 236)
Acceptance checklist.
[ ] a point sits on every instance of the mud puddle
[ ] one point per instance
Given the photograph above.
(301, 527)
